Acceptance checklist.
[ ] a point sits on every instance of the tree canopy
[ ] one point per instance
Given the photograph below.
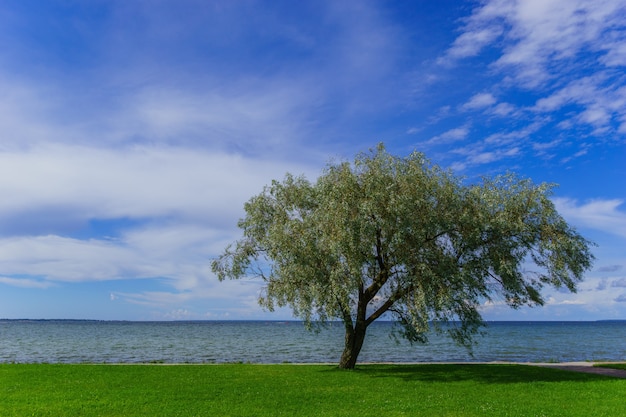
(403, 238)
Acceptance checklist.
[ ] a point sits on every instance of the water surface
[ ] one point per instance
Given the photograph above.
(59, 341)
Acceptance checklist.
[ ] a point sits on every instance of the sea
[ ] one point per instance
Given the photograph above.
(85, 341)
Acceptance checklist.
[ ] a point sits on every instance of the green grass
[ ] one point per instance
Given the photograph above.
(612, 365)
(305, 390)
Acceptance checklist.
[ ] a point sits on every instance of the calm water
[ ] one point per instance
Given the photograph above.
(276, 342)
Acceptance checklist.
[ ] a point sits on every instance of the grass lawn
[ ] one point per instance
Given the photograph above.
(305, 390)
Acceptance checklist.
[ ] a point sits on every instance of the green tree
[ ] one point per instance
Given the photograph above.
(403, 238)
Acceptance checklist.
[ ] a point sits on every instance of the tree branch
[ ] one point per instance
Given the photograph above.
(383, 275)
(387, 304)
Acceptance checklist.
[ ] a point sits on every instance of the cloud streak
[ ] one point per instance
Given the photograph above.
(25, 283)
(450, 136)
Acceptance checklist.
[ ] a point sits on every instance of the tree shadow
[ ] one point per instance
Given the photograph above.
(482, 373)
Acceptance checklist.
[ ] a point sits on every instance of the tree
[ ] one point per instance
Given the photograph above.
(403, 238)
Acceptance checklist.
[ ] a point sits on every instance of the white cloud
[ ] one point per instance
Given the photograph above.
(187, 203)
(480, 30)
(604, 215)
(258, 116)
(471, 42)
(452, 135)
(173, 142)
(485, 153)
(177, 257)
(24, 116)
(487, 157)
(479, 101)
(220, 299)
(140, 183)
(585, 304)
(513, 137)
(616, 52)
(70, 260)
(578, 154)
(25, 282)
(254, 113)
(542, 34)
(610, 268)
(543, 146)
(563, 48)
(601, 103)
(551, 301)
(594, 300)
(618, 283)
(504, 109)
(330, 68)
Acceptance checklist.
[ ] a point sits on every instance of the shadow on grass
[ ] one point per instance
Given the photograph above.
(488, 374)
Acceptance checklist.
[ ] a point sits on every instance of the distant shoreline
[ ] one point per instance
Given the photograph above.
(23, 320)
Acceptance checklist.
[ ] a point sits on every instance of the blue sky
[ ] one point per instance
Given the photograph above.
(132, 133)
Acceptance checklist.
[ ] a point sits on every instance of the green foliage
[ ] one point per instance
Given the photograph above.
(305, 390)
(402, 237)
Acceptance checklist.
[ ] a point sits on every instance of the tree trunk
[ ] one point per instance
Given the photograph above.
(353, 344)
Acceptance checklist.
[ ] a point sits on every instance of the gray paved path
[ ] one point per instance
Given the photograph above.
(586, 367)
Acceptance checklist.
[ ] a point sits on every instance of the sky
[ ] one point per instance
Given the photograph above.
(132, 133)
